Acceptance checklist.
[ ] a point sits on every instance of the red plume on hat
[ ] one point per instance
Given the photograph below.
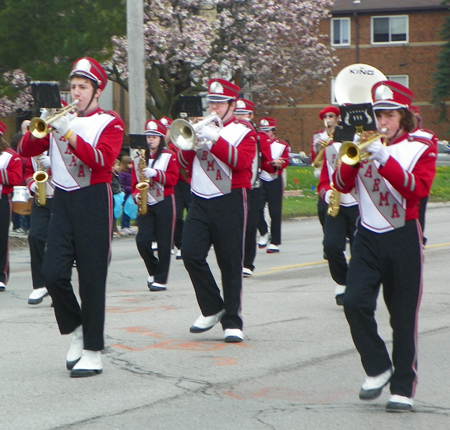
(391, 95)
(267, 124)
(153, 127)
(329, 109)
(91, 69)
(2, 128)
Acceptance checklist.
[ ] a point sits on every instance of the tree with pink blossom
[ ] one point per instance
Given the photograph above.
(272, 49)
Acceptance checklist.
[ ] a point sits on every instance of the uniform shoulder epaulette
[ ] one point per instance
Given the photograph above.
(243, 122)
(426, 137)
(112, 113)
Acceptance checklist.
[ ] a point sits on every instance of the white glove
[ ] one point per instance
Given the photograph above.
(33, 187)
(45, 161)
(328, 196)
(206, 132)
(317, 173)
(62, 125)
(45, 113)
(149, 172)
(378, 152)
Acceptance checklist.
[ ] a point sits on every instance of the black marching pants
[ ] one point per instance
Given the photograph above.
(395, 260)
(219, 222)
(336, 231)
(183, 199)
(37, 238)
(157, 225)
(80, 229)
(272, 194)
(253, 200)
(5, 221)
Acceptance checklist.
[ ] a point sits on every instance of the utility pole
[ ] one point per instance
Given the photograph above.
(136, 77)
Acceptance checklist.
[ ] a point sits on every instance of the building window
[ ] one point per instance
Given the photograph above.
(401, 79)
(340, 31)
(390, 29)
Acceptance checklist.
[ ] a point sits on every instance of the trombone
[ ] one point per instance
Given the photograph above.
(39, 127)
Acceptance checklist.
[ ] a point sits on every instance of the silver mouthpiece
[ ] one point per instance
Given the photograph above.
(383, 130)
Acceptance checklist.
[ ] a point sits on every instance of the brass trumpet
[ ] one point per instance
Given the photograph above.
(183, 133)
(39, 127)
(352, 153)
(142, 185)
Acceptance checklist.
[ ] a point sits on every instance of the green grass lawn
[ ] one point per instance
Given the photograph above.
(305, 204)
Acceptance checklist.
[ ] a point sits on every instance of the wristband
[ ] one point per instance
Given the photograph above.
(68, 134)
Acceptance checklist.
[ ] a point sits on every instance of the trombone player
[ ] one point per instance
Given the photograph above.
(82, 151)
(388, 245)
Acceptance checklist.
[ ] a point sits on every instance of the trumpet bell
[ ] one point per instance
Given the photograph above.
(350, 153)
(182, 134)
(38, 128)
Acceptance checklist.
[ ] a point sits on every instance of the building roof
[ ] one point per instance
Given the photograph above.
(370, 6)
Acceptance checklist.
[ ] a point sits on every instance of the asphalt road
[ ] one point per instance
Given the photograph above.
(297, 369)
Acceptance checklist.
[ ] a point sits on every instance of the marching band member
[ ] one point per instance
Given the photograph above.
(339, 223)
(221, 174)
(262, 161)
(82, 151)
(10, 175)
(183, 195)
(330, 116)
(388, 245)
(158, 222)
(39, 221)
(272, 189)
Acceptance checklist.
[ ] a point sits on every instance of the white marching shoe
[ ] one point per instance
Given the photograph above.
(90, 364)
(233, 335)
(37, 296)
(76, 348)
(205, 323)
(373, 385)
(263, 240)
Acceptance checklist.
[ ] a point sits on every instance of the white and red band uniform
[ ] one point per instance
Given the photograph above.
(90, 163)
(328, 168)
(278, 149)
(162, 184)
(389, 195)
(226, 165)
(10, 171)
(263, 158)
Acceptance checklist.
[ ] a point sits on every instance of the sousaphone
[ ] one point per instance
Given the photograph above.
(354, 83)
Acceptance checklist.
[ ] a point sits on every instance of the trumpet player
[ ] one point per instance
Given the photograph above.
(388, 244)
(339, 221)
(158, 222)
(221, 174)
(82, 149)
(330, 116)
(39, 221)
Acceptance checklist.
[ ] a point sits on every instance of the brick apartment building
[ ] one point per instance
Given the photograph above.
(399, 38)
